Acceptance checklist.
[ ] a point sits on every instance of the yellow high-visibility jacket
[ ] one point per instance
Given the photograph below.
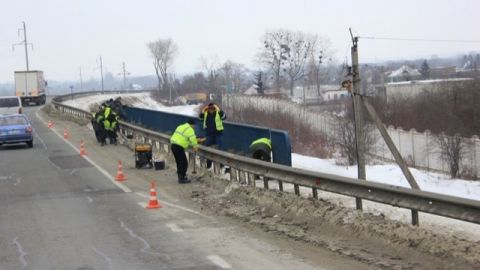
(184, 136)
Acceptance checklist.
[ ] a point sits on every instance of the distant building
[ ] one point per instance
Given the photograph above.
(335, 94)
(409, 89)
(404, 73)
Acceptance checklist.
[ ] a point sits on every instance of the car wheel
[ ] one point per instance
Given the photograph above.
(30, 144)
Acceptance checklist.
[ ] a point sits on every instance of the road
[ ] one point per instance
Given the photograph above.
(59, 210)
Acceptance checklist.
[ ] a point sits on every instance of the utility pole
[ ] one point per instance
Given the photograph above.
(125, 73)
(25, 43)
(81, 80)
(101, 71)
(358, 102)
(357, 111)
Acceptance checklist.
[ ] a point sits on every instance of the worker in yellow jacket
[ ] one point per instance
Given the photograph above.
(261, 149)
(183, 138)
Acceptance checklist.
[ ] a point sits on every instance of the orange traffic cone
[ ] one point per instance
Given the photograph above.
(82, 149)
(50, 124)
(153, 203)
(65, 134)
(120, 175)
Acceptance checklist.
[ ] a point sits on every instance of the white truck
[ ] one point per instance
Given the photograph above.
(30, 86)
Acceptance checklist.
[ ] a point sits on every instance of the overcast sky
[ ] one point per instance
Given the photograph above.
(69, 35)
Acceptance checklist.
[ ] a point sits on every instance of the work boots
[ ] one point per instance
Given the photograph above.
(182, 179)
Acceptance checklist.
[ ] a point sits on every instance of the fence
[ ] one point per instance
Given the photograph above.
(417, 148)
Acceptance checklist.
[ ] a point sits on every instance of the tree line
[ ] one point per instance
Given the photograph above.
(286, 59)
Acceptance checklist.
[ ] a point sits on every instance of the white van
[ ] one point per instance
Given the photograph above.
(10, 105)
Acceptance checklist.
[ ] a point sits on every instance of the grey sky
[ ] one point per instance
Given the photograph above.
(68, 35)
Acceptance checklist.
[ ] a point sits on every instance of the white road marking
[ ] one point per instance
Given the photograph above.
(7, 177)
(109, 176)
(109, 261)
(173, 205)
(40, 139)
(22, 253)
(73, 171)
(219, 261)
(54, 165)
(89, 199)
(17, 181)
(174, 227)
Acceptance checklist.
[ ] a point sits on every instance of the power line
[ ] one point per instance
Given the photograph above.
(424, 39)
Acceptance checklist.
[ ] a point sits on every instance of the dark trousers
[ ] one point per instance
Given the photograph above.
(214, 139)
(181, 160)
(96, 128)
(261, 151)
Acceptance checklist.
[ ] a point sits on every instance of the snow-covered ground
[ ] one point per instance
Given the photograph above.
(389, 174)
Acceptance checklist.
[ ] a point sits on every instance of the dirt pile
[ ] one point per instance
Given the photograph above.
(383, 243)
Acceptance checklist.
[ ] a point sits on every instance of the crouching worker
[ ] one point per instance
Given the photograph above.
(183, 138)
(261, 149)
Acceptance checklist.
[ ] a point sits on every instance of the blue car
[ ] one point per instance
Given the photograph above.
(15, 128)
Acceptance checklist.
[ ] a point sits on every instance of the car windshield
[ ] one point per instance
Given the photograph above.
(9, 102)
(13, 120)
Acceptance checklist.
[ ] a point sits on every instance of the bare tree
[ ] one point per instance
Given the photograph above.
(211, 68)
(163, 52)
(319, 54)
(298, 48)
(233, 76)
(452, 150)
(274, 54)
(345, 138)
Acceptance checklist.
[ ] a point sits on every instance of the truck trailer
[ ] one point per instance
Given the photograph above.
(30, 86)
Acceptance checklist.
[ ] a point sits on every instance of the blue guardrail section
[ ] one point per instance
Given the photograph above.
(236, 137)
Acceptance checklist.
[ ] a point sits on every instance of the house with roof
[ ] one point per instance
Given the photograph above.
(404, 73)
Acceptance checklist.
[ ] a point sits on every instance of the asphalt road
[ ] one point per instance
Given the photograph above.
(59, 210)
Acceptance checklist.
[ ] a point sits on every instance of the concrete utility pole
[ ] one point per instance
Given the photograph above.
(101, 71)
(359, 102)
(358, 115)
(24, 42)
(125, 73)
(81, 80)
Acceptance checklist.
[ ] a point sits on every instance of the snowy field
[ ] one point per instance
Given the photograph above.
(388, 174)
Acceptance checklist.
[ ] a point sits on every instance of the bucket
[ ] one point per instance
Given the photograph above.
(159, 164)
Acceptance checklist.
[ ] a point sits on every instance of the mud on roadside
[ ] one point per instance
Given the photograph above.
(372, 239)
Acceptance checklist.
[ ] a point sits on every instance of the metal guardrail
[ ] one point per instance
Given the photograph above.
(245, 169)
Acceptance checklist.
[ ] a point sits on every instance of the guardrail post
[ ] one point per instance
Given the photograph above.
(315, 193)
(216, 167)
(265, 182)
(296, 189)
(241, 177)
(415, 219)
(251, 179)
(233, 174)
(280, 185)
